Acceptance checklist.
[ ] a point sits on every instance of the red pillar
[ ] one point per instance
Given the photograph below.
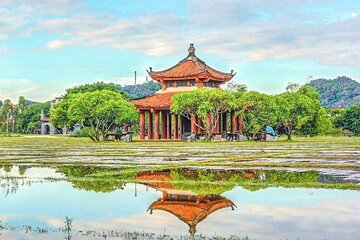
(224, 122)
(233, 122)
(200, 123)
(176, 136)
(208, 120)
(156, 126)
(180, 126)
(150, 125)
(163, 125)
(193, 126)
(168, 124)
(217, 126)
(240, 124)
(142, 125)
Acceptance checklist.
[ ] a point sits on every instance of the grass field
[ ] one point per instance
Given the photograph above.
(301, 152)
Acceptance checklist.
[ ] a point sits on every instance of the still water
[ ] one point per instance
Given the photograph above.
(65, 203)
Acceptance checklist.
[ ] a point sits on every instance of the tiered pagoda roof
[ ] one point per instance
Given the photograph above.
(189, 68)
(160, 100)
(192, 213)
(191, 71)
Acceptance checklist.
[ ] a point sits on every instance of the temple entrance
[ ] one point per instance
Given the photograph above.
(47, 129)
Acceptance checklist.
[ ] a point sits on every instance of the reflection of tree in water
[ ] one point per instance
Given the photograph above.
(7, 168)
(10, 185)
(219, 181)
(98, 179)
(68, 228)
(22, 169)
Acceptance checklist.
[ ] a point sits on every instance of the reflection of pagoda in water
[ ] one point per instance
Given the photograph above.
(189, 207)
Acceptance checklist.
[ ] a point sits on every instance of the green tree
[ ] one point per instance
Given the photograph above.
(98, 86)
(256, 110)
(321, 124)
(236, 88)
(295, 109)
(351, 119)
(292, 87)
(324, 124)
(59, 115)
(18, 112)
(6, 113)
(98, 112)
(30, 117)
(207, 104)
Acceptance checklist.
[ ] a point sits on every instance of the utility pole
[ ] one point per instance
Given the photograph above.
(135, 77)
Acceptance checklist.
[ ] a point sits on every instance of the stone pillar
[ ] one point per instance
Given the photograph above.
(150, 125)
(142, 125)
(233, 122)
(193, 126)
(176, 135)
(240, 124)
(224, 122)
(163, 125)
(156, 126)
(168, 124)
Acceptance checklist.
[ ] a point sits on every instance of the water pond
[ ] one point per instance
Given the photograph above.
(75, 202)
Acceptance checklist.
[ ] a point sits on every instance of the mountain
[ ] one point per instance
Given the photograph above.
(340, 92)
(140, 90)
(29, 102)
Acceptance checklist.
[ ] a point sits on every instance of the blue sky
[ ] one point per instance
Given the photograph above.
(47, 46)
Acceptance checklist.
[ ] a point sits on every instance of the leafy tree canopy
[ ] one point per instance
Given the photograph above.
(98, 86)
(96, 111)
(256, 110)
(351, 119)
(205, 103)
(294, 109)
(30, 118)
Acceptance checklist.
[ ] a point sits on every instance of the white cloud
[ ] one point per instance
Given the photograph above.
(55, 44)
(13, 88)
(238, 30)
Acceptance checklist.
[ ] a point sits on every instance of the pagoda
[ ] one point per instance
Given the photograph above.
(189, 207)
(156, 121)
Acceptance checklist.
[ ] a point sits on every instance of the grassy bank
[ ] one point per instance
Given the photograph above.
(302, 152)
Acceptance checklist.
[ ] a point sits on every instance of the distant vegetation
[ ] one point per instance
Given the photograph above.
(99, 107)
(140, 90)
(341, 92)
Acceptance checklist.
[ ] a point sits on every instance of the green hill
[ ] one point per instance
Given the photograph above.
(340, 92)
(140, 90)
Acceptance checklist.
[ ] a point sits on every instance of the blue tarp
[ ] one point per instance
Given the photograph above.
(270, 130)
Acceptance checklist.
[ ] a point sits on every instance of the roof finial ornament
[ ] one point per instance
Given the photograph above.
(191, 49)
